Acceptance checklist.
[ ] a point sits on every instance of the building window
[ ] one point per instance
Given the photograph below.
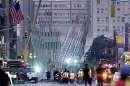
(113, 20)
(118, 27)
(97, 11)
(107, 19)
(102, 20)
(98, 29)
(98, 1)
(118, 20)
(107, 28)
(118, 9)
(114, 26)
(98, 19)
(118, 17)
(122, 28)
(123, 19)
(129, 18)
(102, 10)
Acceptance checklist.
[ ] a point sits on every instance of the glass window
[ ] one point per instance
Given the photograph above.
(98, 19)
(102, 20)
(113, 20)
(107, 28)
(98, 29)
(102, 11)
(122, 28)
(118, 9)
(118, 27)
(114, 26)
(98, 1)
(123, 19)
(107, 19)
(118, 20)
(129, 18)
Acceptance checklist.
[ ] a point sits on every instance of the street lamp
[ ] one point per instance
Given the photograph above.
(75, 61)
(37, 68)
(35, 57)
(30, 55)
(68, 60)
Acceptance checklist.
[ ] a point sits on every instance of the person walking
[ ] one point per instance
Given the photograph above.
(87, 77)
(48, 75)
(4, 78)
(99, 73)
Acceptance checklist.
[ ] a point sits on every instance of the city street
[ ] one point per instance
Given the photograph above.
(53, 42)
(53, 84)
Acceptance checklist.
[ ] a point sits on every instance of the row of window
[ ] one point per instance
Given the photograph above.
(77, 5)
(103, 19)
(103, 10)
(60, 22)
(119, 28)
(118, 19)
(106, 29)
(47, 34)
(61, 14)
(51, 45)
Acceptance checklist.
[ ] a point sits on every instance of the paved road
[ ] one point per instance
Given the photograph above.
(53, 84)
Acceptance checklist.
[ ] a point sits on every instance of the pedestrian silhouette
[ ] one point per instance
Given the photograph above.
(87, 77)
(4, 79)
(100, 71)
(48, 75)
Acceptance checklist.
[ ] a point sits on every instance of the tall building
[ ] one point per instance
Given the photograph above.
(109, 15)
(61, 26)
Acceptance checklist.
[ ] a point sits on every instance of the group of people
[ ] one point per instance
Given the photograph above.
(88, 77)
(123, 78)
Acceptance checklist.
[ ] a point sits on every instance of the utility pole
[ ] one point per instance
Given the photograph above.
(115, 46)
(127, 36)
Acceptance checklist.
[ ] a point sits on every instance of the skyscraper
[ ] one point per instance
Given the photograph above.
(60, 26)
(109, 15)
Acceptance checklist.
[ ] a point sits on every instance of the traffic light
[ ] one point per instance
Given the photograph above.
(113, 10)
(118, 39)
(4, 51)
(26, 34)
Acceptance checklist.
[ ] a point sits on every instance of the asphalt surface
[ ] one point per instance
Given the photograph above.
(53, 84)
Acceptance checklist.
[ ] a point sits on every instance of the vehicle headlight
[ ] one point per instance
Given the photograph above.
(13, 76)
(104, 76)
(37, 69)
